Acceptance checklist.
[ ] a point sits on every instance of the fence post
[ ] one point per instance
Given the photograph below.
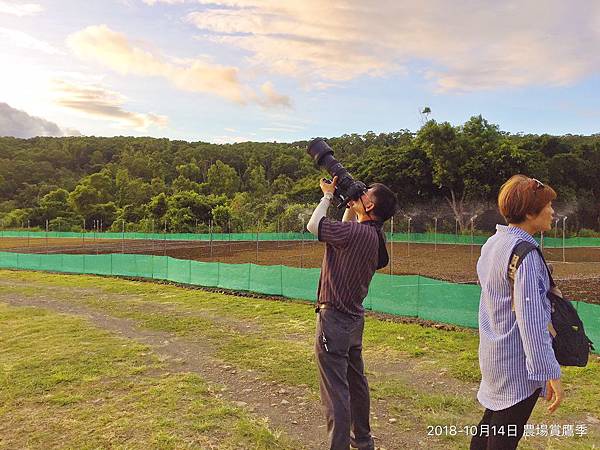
(257, 243)
(153, 237)
(556, 228)
(302, 245)
(456, 232)
(472, 235)
(563, 238)
(408, 237)
(435, 220)
(28, 237)
(210, 236)
(229, 229)
(46, 236)
(392, 246)
(165, 240)
(123, 239)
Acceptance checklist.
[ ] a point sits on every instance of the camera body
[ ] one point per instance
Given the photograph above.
(347, 188)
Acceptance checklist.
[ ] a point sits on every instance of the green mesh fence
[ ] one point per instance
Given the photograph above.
(422, 238)
(404, 295)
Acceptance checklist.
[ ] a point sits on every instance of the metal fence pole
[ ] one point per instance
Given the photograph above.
(165, 240)
(229, 229)
(46, 236)
(563, 238)
(257, 243)
(152, 236)
(210, 236)
(456, 220)
(391, 245)
(123, 238)
(28, 236)
(302, 245)
(435, 220)
(472, 235)
(408, 237)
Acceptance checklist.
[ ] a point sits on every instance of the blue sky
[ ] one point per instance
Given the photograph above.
(265, 70)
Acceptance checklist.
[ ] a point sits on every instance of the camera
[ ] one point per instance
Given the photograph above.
(347, 188)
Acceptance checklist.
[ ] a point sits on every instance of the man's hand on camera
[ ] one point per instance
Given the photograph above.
(327, 186)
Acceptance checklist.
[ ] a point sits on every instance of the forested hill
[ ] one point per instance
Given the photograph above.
(144, 181)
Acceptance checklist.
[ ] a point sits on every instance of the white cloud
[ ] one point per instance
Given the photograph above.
(95, 101)
(24, 40)
(114, 50)
(463, 45)
(17, 123)
(17, 8)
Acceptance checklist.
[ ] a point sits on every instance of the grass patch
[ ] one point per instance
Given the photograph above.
(64, 381)
(279, 344)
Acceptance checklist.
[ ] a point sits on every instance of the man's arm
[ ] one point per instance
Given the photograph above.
(349, 215)
(321, 209)
(319, 212)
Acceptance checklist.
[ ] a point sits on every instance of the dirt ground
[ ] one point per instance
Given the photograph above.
(578, 273)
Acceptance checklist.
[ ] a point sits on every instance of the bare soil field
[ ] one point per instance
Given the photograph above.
(578, 276)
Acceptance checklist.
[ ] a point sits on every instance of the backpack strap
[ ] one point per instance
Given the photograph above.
(520, 251)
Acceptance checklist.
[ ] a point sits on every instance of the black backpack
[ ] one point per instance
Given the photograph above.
(571, 345)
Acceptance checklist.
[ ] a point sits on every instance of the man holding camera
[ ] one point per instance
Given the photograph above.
(355, 249)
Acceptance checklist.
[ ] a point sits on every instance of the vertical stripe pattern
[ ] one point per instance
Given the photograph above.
(350, 260)
(515, 346)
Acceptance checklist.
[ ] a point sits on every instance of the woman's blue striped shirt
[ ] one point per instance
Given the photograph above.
(515, 346)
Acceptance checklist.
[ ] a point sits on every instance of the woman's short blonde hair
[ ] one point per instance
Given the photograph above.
(522, 195)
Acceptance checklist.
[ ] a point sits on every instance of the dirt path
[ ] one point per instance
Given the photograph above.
(292, 409)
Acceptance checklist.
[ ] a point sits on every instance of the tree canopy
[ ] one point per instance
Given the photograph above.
(73, 181)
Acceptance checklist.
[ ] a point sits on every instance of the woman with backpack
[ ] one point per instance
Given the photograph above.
(516, 358)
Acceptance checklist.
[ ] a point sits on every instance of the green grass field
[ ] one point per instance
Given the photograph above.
(72, 377)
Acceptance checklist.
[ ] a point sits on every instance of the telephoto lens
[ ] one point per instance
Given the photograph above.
(347, 188)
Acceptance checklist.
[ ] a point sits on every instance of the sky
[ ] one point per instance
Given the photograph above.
(286, 70)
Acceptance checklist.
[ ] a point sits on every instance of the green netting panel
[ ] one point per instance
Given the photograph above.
(98, 264)
(266, 279)
(234, 276)
(407, 295)
(180, 270)
(449, 302)
(300, 283)
(393, 294)
(144, 265)
(124, 265)
(9, 260)
(160, 268)
(430, 238)
(29, 261)
(205, 274)
(73, 264)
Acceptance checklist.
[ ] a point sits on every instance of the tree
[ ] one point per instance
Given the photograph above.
(221, 215)
(223, 179)
(158, 206)
(257, 181)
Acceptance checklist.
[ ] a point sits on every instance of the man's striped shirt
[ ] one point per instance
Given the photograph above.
(515, 346)
(350, 260)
